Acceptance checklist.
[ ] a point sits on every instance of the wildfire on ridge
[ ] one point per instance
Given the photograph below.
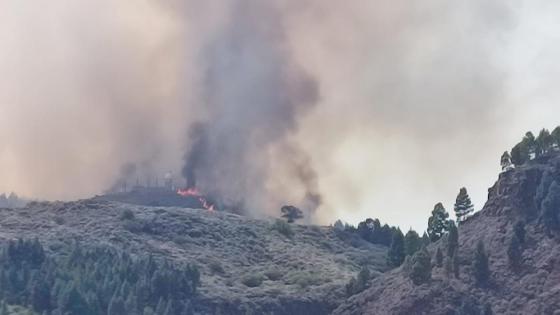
(195, 193)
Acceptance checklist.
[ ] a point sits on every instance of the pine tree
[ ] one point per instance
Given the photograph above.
(530, 143)
(421, 270)
(396, 254)
(439, 258)
(506, 161)
(556, 137)
(543, 143)
(519, 154)
(452, 239)
(437, 223)
(487, 309)
(463, 205)
(481, 269)
(425, 239)
(412, 242)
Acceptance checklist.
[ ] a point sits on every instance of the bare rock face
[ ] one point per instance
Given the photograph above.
(531, 288)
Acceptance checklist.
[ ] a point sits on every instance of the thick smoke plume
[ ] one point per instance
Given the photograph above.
(254, 96)
(365, 108)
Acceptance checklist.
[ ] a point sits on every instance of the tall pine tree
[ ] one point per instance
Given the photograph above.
(463, 205)
(412, 242)
(396, 254)
(437, 223)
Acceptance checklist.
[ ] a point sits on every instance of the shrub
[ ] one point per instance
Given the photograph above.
(358, 284)
(216, 267)
(480, 265)
(127, 214)
(274, 274)
(59, 220)
(421, 270)
(283, 228)
(252, 280)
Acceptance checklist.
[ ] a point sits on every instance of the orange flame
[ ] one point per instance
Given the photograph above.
(193, 192)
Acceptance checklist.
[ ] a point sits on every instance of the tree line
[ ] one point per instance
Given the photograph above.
(98, 280)
(531, 147)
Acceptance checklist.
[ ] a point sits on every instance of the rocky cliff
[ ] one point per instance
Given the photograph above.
(532, 287)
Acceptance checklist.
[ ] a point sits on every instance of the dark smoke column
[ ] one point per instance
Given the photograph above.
(254, 93)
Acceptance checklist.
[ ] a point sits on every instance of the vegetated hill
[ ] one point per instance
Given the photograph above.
(246, 265)
(533, 287)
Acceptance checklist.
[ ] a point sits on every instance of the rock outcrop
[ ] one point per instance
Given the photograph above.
(533, 287)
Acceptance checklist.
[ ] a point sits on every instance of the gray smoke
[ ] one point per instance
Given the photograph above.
(254, 96)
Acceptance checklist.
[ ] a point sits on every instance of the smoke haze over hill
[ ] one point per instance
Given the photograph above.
(382, 108)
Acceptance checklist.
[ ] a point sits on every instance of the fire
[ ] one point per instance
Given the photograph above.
(193, 192)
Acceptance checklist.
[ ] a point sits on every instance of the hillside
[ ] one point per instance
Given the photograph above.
(531, 288)
(246, 265)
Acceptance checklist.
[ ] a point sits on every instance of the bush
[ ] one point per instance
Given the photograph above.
(480, 265)
(59, 220)
(216, 267)
(127, 214)
(358, 284)
(421, 270)
(252, 280)
(274, 274)
(283, 228)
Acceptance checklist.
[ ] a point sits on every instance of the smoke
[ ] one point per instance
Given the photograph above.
(253, 95)
(362, 109)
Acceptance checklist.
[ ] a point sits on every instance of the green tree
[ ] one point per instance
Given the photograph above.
(530, 143)
(291, 213)
(425, 239)
(421, 270)
(437, 223)
(396, 254)
(519, 154)
(505, 161)
(439, 258)
(412, 242)
(556, 137)
(359, 284)
(543, 143)
(481, 268)
(452, 239)
(463, 205)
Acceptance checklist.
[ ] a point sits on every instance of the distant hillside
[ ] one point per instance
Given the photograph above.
(246, 265)
(531, 287)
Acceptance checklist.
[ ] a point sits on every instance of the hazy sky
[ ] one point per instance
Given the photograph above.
(410, 102)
